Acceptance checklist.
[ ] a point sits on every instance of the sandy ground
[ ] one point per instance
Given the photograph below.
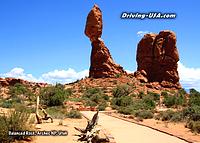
(176, 129)
(126, 132)
(68, 125)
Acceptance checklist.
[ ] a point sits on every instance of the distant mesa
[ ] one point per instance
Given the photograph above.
(157, 58)
(101, 62)
(6, 82)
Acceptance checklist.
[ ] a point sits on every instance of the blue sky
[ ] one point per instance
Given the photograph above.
(44, 39)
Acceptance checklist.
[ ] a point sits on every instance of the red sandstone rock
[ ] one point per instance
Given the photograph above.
(3, 82)
(157, 55)
(102, 64)
(94, 24)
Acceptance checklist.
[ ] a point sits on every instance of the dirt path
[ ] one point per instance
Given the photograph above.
(126, 132)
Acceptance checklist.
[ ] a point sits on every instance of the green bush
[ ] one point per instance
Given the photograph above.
(144, 114)
(15, 121)
(57, 112)
(90, 103)
(164, 93)
(10, 103)
(54, 95)
(177, 117)
(122, 101)
(194, 126)
(17, 89)
(126, 110)
(192, 113)
(74, 114)
(102, 106)
(148, 102)
(169, 101)
(155, 96)
(122, 90)
(194, 98)
(141, 95)
(174, 100)
(95, 96)
(170, 115)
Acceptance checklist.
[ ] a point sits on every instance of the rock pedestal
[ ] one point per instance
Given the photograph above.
(101, 62)
(157, 55)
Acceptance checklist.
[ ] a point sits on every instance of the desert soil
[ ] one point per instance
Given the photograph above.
(127, 132)
(68, 125)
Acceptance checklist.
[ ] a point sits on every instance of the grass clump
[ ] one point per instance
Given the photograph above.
(57, 112)
(74, 114)
(14, 121)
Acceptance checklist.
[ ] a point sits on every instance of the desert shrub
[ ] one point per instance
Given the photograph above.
(194, 98)
(166, 115)
(181, 100)
(169, 101)
(194, 126)
(148, 102)
(102, 106)
(194, 92)
(17, 89)
(90, 103)
(164, 93)
(170, 115)
(92, 91)
(15, 121)
(94, 97)
(144, 114)
(129, 105)
(74, 114)
(182, 91)
(177, 117)
(141, 95)
(192, 113)
(54, 95)
(10, 103)
(121, 90)
(174, 100)
(155, 96)
(57, 112)
(122, 101)
(126, 110)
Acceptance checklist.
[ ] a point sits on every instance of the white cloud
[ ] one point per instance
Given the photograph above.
(129, 71)
(56, 76)
(142, 33)
(64, 76)
(19, 73)
(189, 77)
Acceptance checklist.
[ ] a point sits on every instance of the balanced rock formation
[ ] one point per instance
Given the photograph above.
(157, 58)
(102, 64)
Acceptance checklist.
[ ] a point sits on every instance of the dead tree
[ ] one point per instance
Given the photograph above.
(38, 117)
(90, 134)
(46, 116)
